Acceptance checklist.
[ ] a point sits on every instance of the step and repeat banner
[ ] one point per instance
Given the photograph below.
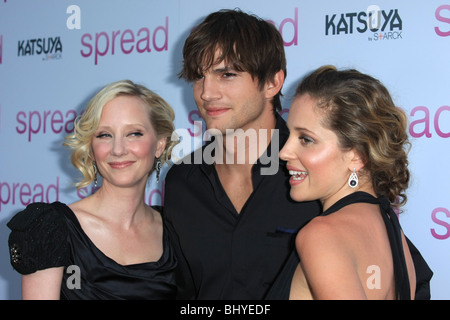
(55, 55)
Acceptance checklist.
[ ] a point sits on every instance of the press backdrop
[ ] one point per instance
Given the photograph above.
(55, 55)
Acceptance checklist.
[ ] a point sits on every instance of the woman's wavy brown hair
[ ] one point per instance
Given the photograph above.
(360, 110)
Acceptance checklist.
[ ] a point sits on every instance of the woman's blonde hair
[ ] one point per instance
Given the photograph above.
(161, 117)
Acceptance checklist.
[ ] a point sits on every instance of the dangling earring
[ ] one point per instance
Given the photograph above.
(95, 173)
(353, 180)
(158, 169)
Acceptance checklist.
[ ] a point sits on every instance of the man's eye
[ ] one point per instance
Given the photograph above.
(198, 77)
(229, 75)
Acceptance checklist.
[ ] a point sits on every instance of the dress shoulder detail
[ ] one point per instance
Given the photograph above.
(38, 238)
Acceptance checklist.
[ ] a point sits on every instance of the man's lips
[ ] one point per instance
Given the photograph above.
(120, 165)
(216, 112)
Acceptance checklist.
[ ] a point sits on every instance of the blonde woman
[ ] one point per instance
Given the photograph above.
(111, 244)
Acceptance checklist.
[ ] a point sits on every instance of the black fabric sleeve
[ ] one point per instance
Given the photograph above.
(185, 284)
(38, 239)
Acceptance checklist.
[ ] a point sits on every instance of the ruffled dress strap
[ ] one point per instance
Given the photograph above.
(38, 238)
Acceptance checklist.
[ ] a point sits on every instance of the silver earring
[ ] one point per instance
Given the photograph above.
(158, 169)
(353, 180)
(95, 173)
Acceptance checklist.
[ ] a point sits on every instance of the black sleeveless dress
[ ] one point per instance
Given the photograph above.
(280, 290)
(49, 235)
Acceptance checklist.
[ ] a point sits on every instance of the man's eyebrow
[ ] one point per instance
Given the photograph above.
(223, 69)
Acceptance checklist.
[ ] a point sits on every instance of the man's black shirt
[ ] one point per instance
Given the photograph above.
(224, 254)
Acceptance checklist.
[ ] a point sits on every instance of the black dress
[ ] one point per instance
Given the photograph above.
(49, 235)
(281, 288)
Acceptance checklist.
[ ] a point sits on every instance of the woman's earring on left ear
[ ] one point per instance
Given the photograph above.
(353, 180)
(158, 169)
(95, 173)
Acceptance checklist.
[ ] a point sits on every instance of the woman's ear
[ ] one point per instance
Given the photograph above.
(161, 146)
(274, 86)
(356, 162)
